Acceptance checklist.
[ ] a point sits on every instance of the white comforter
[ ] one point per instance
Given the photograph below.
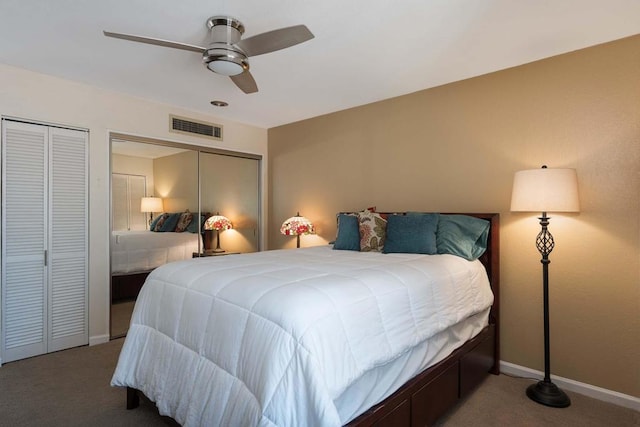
(275, 338)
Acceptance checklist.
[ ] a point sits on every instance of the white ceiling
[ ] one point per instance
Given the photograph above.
(363, 50)
(147, 151)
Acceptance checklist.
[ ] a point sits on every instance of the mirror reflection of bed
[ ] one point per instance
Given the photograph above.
(190, 184)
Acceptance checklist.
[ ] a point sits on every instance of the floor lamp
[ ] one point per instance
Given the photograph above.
(546, 190)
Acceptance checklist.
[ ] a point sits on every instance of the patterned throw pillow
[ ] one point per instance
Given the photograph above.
(160, 222)
(170, 222)
(372, 231)
(184, 221)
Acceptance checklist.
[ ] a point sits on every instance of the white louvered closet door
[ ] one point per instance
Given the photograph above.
(44, 239)
(126, 193)
(24, 213)
(137, 190)
(68, 299)
(119, 202)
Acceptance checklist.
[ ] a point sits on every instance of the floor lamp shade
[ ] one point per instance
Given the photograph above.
(546, 190)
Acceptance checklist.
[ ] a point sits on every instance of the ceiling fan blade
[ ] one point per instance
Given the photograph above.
(245, 82)
(275, 40)
(157, 42)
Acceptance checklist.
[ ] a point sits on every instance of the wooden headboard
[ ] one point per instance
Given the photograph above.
(491, 261)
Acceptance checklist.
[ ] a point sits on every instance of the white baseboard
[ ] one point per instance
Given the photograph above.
(599, 393)
(98, 339)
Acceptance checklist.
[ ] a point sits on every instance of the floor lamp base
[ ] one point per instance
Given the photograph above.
(548, 394)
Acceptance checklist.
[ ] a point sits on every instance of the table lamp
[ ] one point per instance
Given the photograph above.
(151, 205)
(217, 222)
(297, 225)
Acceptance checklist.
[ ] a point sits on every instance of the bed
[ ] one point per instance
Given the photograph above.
(142, 251)
(134, 254)
(343, 337)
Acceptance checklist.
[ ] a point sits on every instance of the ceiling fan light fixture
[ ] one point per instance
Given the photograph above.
(227, 53)
(226, 68)
(225, 61)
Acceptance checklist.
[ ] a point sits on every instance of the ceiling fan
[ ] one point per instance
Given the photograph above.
(228, 54)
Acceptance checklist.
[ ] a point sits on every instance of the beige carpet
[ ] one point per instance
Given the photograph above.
(501, 401)
(71, 388)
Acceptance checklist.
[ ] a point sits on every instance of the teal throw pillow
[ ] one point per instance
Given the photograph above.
(414, 234)
(462, 235)
(348, 238)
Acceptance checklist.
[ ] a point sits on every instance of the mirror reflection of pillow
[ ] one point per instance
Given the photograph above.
(184, 221)
(157, 223)
(170, 222)
(193, 226)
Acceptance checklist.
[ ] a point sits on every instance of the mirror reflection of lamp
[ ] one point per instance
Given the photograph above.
(150, 205)
(297, 225)
(218, 223)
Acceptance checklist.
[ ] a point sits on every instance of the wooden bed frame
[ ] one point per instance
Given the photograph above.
(430, 394)
(126, 287)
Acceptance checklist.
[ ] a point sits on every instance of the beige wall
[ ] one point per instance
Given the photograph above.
(133, 165)
(456, 148)
(230, 187)
(34, 96)
(176, 181)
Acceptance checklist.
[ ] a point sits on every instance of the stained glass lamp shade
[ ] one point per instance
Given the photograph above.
(218, 223)
(296, 226)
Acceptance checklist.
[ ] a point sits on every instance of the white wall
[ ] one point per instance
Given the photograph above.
(38, 97)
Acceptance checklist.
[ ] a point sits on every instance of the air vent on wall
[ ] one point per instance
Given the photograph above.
(191, 127)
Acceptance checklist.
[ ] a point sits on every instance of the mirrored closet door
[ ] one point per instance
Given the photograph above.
(228, 186)
(188, 184)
